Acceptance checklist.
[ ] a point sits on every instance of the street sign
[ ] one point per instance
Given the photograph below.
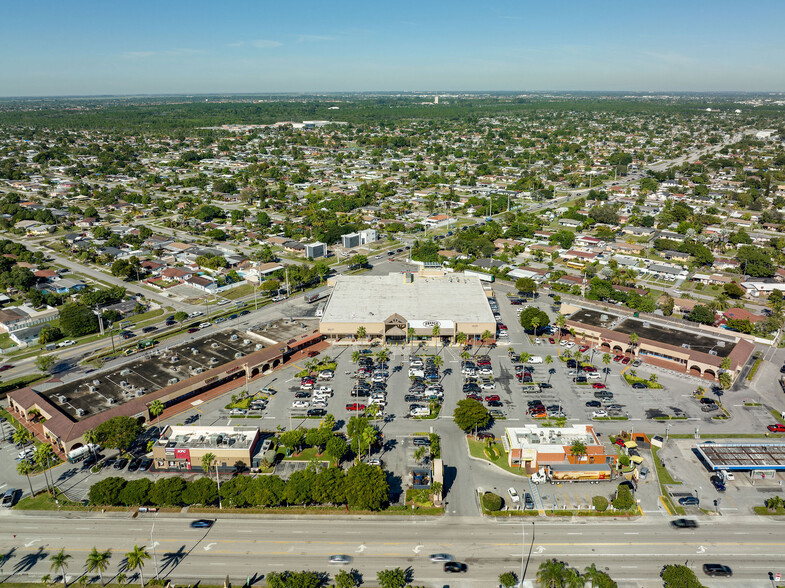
(777, 577)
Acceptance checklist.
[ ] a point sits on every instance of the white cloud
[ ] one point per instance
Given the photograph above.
(265, 44)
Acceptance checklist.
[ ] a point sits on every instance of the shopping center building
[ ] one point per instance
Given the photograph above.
(429, 305)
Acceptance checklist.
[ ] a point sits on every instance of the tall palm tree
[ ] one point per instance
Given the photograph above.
(42, 456)
(24, 467)
(548, 361)
(136, 559)
(208, 459)
(561, 322)
(410, 334)
(525, 357)
(438, 361)
(486, 334)
(552, 573)
(361, 332)
(573, 579)
(98, 560)
(593, 575)
(383, 355)
(460, 338)
(21, 436)
(634, 338)
(91, 438)
(59, 561)
(356, 356)
(577, 450)
(435, 331)
(606, 360)
(535, 325)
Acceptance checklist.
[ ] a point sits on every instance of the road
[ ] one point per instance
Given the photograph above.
(632, 552)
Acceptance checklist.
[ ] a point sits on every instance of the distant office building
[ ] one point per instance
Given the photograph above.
(363, 237)
(314, 250)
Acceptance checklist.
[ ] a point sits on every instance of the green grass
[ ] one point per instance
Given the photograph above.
(477, 449)
(764, 511)
(305, 455)
(776, 415)
(6, 342)
(662, 473)
(239, 292)
(21, 382)
(635, 380)
(44, 501)
(610, 418)
(670, 418)
(754, 369)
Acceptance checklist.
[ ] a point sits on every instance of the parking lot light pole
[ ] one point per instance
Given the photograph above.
(667, 428)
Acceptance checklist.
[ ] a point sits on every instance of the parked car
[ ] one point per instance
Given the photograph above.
(594, 404)
(689, 501)
(777, 428)
(598, 414)
(639, 386)
(134, 464)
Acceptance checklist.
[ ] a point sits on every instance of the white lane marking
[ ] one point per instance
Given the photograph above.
(209, 546)
(360, 549)
(30, 543)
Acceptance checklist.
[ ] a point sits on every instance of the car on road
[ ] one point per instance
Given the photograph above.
(204, 325)
(69, 342)
(455, 567)
(777, 428)
(684, 523)
(440, 557)
(192, 330)
(598, 414)
(713, 569)
(340, 559)
(7, 366)
(245, 312)
(149, 329)
(689, 501)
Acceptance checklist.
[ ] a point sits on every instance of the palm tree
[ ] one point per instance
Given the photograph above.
(361, 332)
(593, 575)
(460, 338)
(548, 361)
(356, 356)
(561, 322)
(634, 373)
(45, 579)
(410, 334)
(43, 453)
(98, 560)
(438, 361)
(383, 355)
(91, 438)
(136, 559)
(525, 357)
(566, 353)
(606, 360)
(774, 503)
(577, 450)
(24, 467)
(535, 325)
(653, 378)
(634, 338)
(22, 436)
(435, 332)
(59, 561)
(121, 578)
(552, 573)
(573, 579)
(486, 334)
(208, 459)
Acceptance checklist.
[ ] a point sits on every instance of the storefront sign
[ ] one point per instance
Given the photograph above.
(182, 454)
(430, 324)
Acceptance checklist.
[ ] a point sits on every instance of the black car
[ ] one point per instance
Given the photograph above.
(689, 501)
(717, 570)
(233, 316)
(302, 394)
(684, 524)
(202, 524)
(361, 393)
(528, 501)
(149, 329)
(243, 313)
(594, 404)
(421, 441)
(316, 412)
(109, 462)
(782, 369)
(453, 567)
(169, 323)
(545, 385)
(495, 403)
(639, 385)
(145, 465)
(120, 463)
(134, 464)
(718, 483)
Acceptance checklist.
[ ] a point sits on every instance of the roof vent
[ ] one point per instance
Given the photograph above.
(96, 382)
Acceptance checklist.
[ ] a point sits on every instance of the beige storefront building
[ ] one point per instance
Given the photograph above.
(426, 306)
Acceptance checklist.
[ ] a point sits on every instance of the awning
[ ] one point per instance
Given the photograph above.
(636, 459)
(630, 444)
(395, 332)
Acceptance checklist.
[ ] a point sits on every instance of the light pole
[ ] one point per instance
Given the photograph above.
(667, 428)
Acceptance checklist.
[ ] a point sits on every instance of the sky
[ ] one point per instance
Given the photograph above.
(85, 47)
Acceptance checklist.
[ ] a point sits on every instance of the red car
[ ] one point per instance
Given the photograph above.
(589, 369)
(617, 358)
(7, 366)
(583, 348)
(778, 428)
(619, 442)
(551, 340)
(492, 397)
(598, 386)
(193, 329)
(501, 327)
(476, 397)
(626, 360)
(355, 406)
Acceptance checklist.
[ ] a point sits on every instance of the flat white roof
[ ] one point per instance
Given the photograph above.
(372, 299)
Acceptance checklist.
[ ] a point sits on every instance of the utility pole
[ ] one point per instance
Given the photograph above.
(152, 543)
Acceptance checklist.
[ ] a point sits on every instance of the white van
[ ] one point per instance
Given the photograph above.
(415, 372)
(535, 359)
(420, 411)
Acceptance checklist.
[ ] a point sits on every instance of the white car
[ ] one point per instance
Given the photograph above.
(300, 404)
(570, 345)
(66, 343)
(486, 371)
(378, 378)
(378, 402)
(204, 325)
(326, 375)
(487, 384)
(537, 341)
(237, 411)
(599, 414)
(320, 397)
(563, 343)
(469, 372)
(593, 375)
(323, 390)
(514, 498)
(317, 403)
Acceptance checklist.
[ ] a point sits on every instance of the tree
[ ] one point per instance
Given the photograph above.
(202, 491)
(678, 576)
(337, 448)
(45, 362)
(59, 562)
(156, 409)
(634, 338)
(208, 459)
(77, 320)
(578, 450)
(180, 316)
(508, 579)
(606, 360)
(136, 559)
(469, 414)
(366, 487)
(344, 579)
(136, 492)
(49, 334)
(552, 573)
(533, 316)
(624, 499)
(42, 456)
(410, 332)
(21, 436)
(361, 332)
(486, 334)
(358, 260)
(106, 492)
(25, 467)
(734, 290)
(526, 286)
(98, 561)
(391, 578)
(435, 331)
(168, 491)
(460, 338)
(702, 314)
(561, 322)
(725, 380)
(118, 432)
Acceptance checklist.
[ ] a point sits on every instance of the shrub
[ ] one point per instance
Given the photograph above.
(491, 501)
(624, 499)
(600, 503)
(508, 579)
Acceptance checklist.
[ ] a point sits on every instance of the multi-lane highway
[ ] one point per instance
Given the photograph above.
(239, 546)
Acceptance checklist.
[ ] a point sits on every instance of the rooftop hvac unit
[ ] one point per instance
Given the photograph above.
(123, 383)
(110, 400)
(646, 324)
(125, 372)
(214, 345)
(213, 360)
(712, 352)
(173, 381)
(96, 382)
(80, 412)
(720, 343)
(233, 337)
(139, 393)
(685, 345)
(174, 359)
(246, 341)
(198, 370)
(92, 388)
(258, 346)
(62, 399)
(194, 351)
(238, 355)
